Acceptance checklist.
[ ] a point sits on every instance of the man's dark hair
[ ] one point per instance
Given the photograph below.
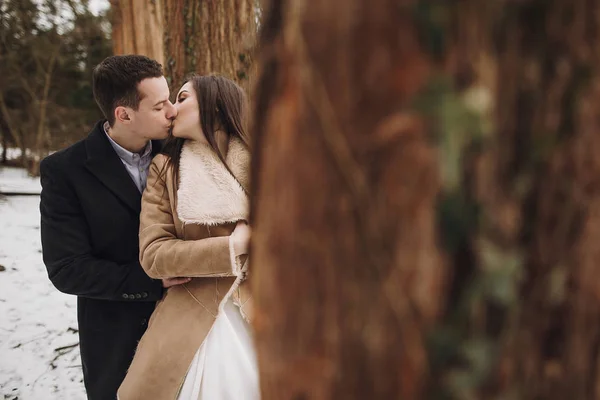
(115, 82)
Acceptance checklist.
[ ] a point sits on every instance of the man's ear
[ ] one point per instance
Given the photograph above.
(123, 115)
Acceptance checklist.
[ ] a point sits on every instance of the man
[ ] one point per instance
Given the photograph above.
(90, 205)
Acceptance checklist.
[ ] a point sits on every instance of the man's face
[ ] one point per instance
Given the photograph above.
(153, 118)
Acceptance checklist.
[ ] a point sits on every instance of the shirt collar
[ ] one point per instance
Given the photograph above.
(125, 154)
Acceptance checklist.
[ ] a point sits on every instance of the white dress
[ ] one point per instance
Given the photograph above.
(225, 366)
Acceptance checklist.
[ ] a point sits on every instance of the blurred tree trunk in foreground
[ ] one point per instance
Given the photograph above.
(346, 271)
(424, 226)
(547, 177)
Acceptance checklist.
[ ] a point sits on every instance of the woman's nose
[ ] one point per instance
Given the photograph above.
(172, 111)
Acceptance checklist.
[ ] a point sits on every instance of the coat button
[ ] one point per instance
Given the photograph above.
(138, 296)
(131, 297)
(125, 296)
(144, 321)
(144, 295)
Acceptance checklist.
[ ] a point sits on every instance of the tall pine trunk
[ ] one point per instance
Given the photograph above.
(138, 28)
(209, 36)
(189, 36)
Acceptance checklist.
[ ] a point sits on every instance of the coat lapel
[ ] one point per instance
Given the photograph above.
(106, 165)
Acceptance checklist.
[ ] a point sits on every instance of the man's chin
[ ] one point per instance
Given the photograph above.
(162, 136)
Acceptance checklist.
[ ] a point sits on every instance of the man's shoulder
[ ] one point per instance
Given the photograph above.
(70, 156)
(74, 154)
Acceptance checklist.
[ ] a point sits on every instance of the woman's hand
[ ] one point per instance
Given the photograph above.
(241, 238)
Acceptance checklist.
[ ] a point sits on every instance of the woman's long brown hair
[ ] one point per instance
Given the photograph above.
(223, 107)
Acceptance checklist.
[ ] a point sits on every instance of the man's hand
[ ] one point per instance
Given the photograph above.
(168, 282)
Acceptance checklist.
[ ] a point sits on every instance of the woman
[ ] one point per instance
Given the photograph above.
(198, 343)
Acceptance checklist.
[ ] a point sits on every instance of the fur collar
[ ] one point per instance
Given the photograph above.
(208, 194)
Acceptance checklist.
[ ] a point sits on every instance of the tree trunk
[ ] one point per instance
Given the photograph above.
(11, 129)
(346, 273)
(203, 36)
(4, 148)
(523, 315)
(349, 197)
(209, 36)
(24, 159)
(550, 121)
(42, 134)
(138, 27)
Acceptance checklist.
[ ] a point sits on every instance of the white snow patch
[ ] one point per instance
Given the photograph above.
(36, 320)
(16, 180)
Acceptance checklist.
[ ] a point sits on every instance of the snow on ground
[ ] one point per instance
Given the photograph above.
(39, 357)
(16, 180)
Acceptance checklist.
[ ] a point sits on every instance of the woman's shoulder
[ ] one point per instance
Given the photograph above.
(160, 159)
(160, 168)
(160, 162)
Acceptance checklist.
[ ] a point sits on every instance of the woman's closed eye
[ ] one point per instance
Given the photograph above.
(181, 99)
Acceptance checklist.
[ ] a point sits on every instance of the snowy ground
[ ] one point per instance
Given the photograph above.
(15, 180)
(39, 357)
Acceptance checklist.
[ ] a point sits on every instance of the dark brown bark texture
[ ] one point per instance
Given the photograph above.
(345, 267)
(209, 36)
(138, 27)
(427, 200)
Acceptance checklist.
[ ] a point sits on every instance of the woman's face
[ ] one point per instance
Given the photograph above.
(187, 123)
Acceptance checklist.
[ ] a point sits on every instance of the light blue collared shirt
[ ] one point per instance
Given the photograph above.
(136, 165)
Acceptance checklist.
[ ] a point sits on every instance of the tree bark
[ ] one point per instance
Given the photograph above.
(523, 314)
(209, 36)
(346, 273)
(550, 119)
(202, 36)
(138, 28)
(350, 194)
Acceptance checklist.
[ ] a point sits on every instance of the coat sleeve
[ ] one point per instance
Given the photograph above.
(162, 253)
(67, 249)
